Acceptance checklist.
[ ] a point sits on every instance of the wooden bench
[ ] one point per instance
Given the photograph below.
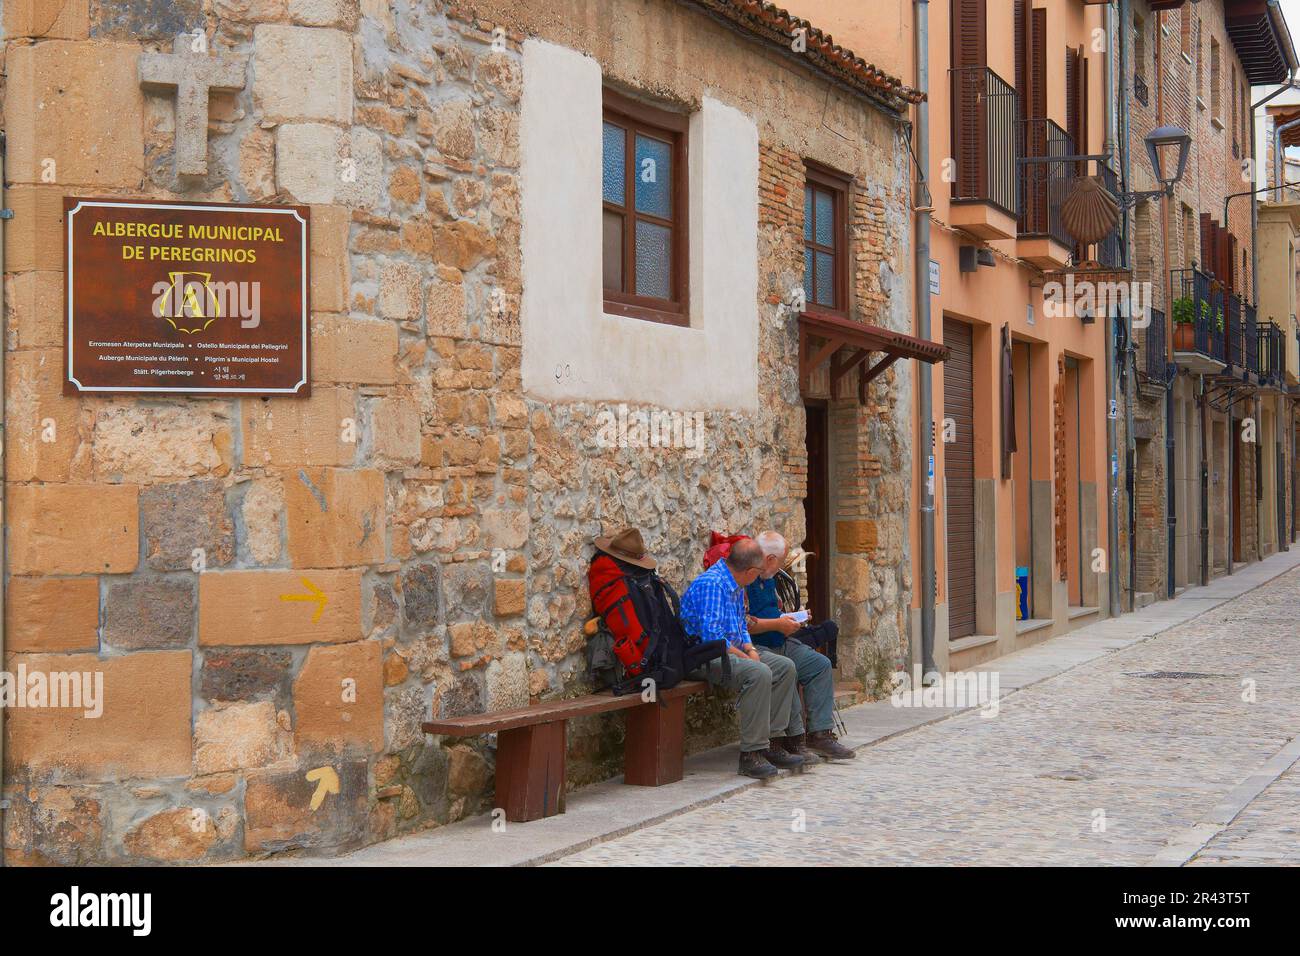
(531, 744)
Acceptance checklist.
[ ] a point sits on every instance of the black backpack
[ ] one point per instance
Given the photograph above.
(669, 654)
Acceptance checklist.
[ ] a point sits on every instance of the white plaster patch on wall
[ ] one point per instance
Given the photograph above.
(572, 350)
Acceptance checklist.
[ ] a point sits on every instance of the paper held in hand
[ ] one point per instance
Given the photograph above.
(799, 617)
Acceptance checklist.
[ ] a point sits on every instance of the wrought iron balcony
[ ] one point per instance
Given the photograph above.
(1272, 356)
(1154, 346)
(984, 140)
(1234, 343)
(1250, 334)
(1110, 251)
(1051, 170)
(1284, 369)
(1198, 315)
(1044, 186)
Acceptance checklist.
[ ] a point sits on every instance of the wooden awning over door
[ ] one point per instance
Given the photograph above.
(821, 337)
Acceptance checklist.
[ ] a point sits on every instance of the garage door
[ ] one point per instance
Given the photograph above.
(959, 479)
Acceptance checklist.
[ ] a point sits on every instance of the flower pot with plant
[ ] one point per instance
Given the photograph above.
(1184, 330)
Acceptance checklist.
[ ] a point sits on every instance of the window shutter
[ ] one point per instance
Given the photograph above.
(1076, 98)
(1081, 143)
(1212, 258)
(970, 40)
(1038, 64)
(970, 132)
(1072, 95)
(1022, 68)
(1230, 260)
(1034, 191)
(1207, 243)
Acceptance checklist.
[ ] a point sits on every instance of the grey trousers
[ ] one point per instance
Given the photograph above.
(768, 688)
(818, 685)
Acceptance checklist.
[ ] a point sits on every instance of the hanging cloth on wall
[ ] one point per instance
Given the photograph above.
(1008, 403)
(1059, 469)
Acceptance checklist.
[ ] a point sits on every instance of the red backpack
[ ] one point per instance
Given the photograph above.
(611, 598)
(641, 614)
(720, 546)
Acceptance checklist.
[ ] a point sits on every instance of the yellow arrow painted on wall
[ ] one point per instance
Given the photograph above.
(327, 782)
(317, 595)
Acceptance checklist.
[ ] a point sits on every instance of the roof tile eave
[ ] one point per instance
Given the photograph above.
(837, 61)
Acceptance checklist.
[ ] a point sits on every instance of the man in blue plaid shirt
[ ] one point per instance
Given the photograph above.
(713, 608)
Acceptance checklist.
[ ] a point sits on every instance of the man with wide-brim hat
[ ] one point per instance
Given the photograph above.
(628, 546)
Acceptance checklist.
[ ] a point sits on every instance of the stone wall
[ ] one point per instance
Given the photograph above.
(444, 513)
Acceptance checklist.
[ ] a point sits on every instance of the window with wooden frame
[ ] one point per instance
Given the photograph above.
(826, 240)
(1200, 72)
(643, 187)
(1216, 82)
(1236, 96)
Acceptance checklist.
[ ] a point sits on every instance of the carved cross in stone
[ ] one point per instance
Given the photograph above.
(192, 73)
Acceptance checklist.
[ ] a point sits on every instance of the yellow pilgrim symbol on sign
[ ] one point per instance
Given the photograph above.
(187, 302)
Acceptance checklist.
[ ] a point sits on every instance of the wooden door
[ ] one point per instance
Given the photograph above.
(959, 478)
(816, 509)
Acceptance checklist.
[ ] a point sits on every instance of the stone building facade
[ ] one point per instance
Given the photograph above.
(442, 484)
(1190, 71)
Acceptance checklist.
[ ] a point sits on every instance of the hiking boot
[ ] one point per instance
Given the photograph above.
(754, 764)
(797, 745)
(823, 742)
(778, 756)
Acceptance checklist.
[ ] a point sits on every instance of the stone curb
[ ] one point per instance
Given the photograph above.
(1183, 849)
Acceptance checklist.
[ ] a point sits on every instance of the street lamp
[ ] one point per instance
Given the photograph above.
(1167, 149)
(1169, 165)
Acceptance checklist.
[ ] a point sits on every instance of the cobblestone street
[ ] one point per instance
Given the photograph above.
(1122, 760)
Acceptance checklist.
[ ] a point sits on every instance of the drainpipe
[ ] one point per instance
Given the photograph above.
(1254, 297)
(1112, 453)
(1171, 516)
(1130, 390)
(1171, 493)
(4, 339)
(925, 411)
(1205, 489)
(1259, 478)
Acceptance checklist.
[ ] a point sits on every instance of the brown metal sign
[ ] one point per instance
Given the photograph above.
(186, 298)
